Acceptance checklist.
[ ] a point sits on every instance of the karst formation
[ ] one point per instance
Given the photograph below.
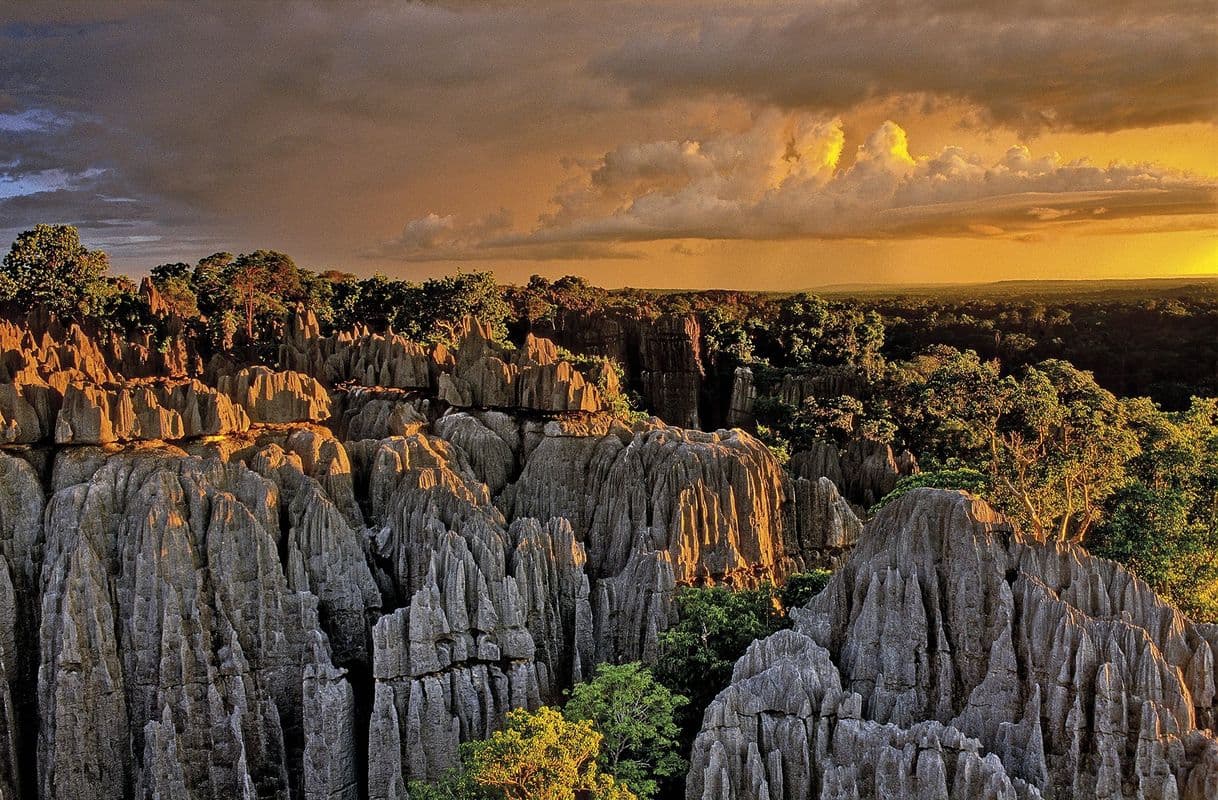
(316, 580)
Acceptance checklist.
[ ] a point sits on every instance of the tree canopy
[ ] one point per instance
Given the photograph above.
(49, 267)
(537, 755)
(1059, 450)
(634, 714)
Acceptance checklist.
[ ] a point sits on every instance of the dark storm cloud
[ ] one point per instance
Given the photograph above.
(1096, 66)
(320, 126)
(244, 112)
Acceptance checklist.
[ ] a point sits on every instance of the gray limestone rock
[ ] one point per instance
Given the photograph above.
(173, 651)
(963, 659)
(743, 396)
(825, 527)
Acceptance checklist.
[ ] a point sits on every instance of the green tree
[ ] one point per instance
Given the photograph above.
(725, 335)
(715, 625)
(1163, 522)
(432, 311)
(808, 331)
(173, 281)
(802, 324)
(1060, 449)
(208, 283)
(166, 272)
(116, 304)
(180, 298)
(455, 784)
(946, 403)
(49, 267)
(802, 587)
(541, 756)
(261, 282)
(373, 302)
(634, 714)
(317, 294)
(830, 419)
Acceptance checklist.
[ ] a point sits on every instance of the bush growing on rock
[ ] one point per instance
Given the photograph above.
(802, 587)
(970, 480)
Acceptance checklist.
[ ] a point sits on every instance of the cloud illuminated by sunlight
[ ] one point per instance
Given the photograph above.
(783, 179)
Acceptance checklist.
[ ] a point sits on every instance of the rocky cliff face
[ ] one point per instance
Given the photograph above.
(865, 470)
(953, 657)
(284, 583)
(478, 373)
(662, 357)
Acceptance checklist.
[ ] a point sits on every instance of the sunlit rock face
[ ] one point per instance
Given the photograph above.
(173, 652)
(478, 372)
(951, 656)
(712, 501)
(261, 582)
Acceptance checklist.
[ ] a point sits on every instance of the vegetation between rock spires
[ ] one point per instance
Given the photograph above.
(537, 755)
(801, 587)
(614, 737)
(715, 625)
(635, 716)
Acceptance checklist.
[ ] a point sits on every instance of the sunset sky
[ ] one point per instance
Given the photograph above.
(689, 143)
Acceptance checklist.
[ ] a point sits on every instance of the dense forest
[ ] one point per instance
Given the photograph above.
(1088, 419)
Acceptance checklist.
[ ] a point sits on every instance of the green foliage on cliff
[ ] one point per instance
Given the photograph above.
(802, 587)
(970, 480)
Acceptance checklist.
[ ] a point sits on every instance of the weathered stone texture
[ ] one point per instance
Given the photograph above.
(953, 657)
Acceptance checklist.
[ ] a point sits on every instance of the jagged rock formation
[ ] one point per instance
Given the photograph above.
(60, 385)
(662, 356)
(822, 382)
(158, 410)
(487, 375)
(671, 368)
(302, 584)
(826, 527)
(741, 400)
(865, 470)
(391, 361)
(478, 373)
(953, 657)
(224, 598)
(153, 681)
(712, 501)
(361, 412)
(276, 397)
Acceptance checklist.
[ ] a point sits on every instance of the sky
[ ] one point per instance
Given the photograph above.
(689, 143)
